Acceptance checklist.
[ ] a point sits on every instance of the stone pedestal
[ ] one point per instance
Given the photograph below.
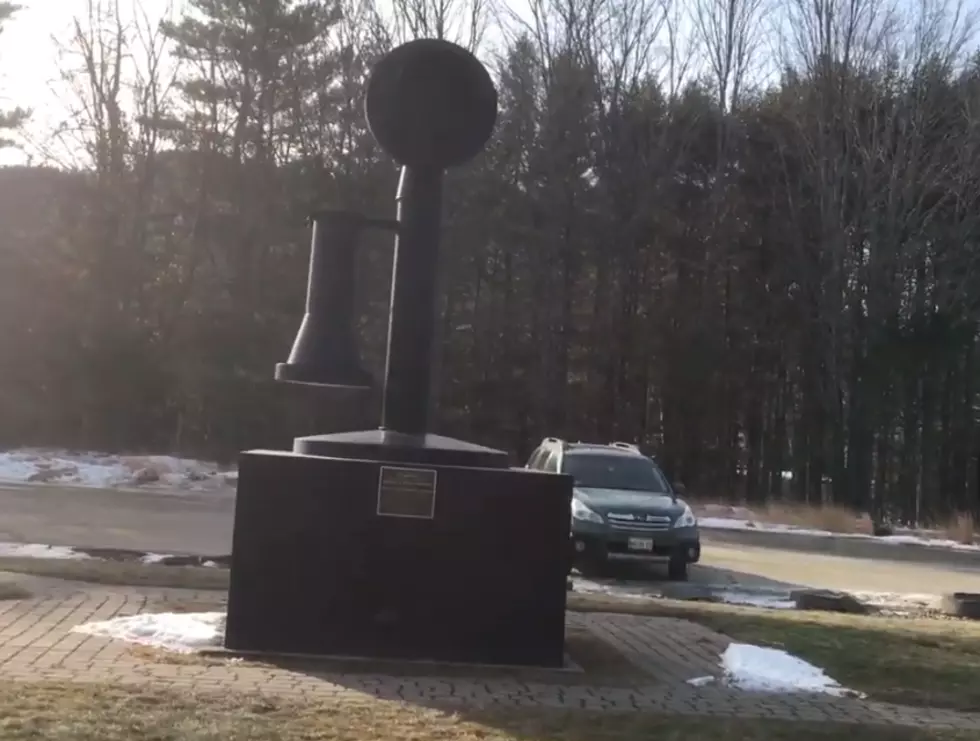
(398, 560)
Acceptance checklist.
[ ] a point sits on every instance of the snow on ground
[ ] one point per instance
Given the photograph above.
(620, 589)
(59, 552)
(900, 604)
(771, 670)
(99, 470)
(725, 523)
(183, 632)
(887, 603)
(769, 600)
(931, 542)
(760, 669)
(37, 550)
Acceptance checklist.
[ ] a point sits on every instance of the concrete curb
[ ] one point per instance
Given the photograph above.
(867, 548)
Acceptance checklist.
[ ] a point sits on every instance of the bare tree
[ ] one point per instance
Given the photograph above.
(676, 49)
(878, 132)
(728, 31)
(461, 21)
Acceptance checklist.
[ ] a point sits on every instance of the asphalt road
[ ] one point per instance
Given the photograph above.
(202, 524)
(198, 524)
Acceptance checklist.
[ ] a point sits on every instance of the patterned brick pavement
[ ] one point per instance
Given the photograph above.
(36, 643)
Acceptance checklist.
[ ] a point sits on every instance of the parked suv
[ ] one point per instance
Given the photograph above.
(623, 508)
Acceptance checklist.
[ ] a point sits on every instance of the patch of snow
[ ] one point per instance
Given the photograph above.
(886, 602)
(183, 632)
(86, 469)
(901, 603)
(929, 542)
(153, 557)
(615, 589)
(98, 470)
(729, 523)
(760, 669)
(700, 681)
(768, 600)
(763, 597)
(38, 550)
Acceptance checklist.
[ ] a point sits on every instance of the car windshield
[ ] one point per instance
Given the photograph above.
(637, 473)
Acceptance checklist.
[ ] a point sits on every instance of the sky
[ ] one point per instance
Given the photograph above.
(31, 60)
(28, 59)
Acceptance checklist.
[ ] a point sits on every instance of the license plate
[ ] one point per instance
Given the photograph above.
(640, 544)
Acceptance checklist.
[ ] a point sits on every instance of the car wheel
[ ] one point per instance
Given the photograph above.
(677, 569)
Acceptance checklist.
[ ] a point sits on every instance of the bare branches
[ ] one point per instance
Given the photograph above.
(728, 31)
(622, 42)
(116, 84)
(462, 21)
(155, 74)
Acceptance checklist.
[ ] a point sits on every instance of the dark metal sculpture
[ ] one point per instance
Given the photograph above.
(325, 352)
(431, 105)
(395, 542)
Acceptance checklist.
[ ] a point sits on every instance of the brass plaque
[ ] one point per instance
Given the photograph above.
(407, 492)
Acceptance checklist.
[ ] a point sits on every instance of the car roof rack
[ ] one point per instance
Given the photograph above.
(564, 444)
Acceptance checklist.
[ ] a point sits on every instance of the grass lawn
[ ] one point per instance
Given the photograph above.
(925, 662)
(66, 712)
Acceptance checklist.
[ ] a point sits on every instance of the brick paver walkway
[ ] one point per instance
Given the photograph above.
(37, 643)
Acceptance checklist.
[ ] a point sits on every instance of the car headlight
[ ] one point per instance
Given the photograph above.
(687, 518)
(581, 512)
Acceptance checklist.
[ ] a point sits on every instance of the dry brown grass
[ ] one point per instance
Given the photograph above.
(808, 516)
(962, 528)
(831, 518)
(83, 712)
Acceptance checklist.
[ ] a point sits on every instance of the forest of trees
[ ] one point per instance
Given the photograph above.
(743, 236)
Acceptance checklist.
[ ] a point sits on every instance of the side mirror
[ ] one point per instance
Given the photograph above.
(680, 488)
